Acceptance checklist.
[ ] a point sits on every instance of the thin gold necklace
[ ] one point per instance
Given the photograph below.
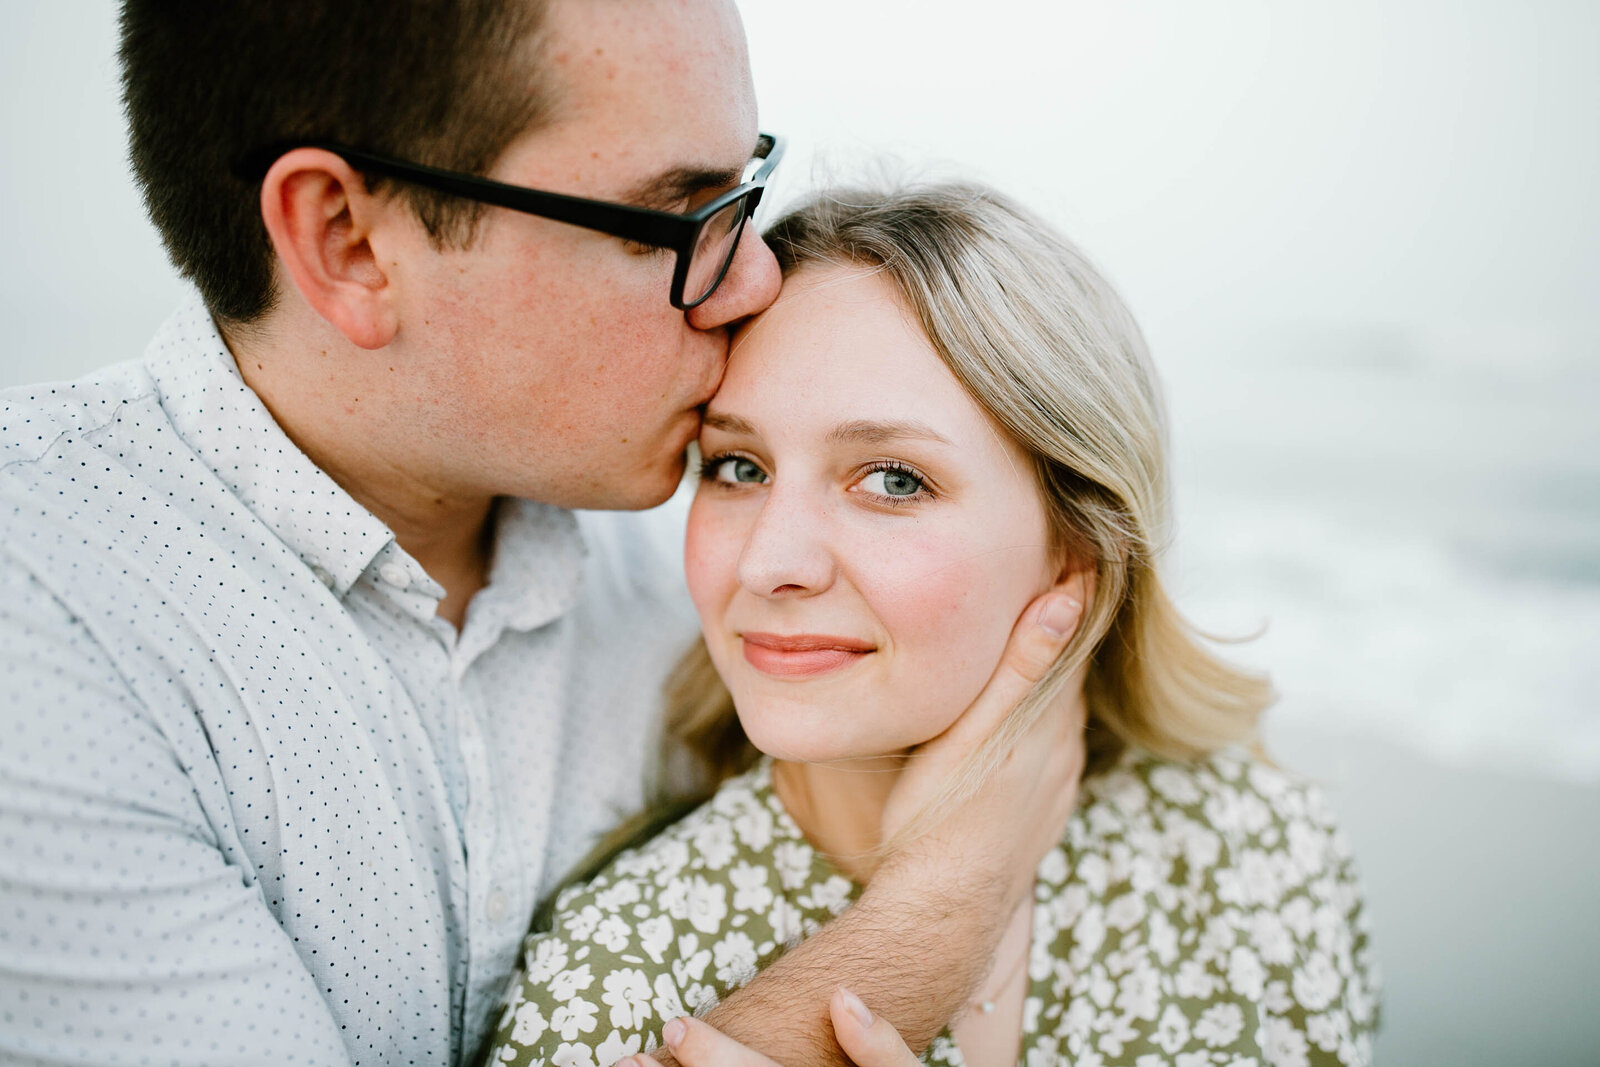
(986, 1004)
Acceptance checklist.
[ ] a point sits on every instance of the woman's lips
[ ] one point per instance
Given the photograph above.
(799, 655)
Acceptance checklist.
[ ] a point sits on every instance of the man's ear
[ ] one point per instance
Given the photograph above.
(319, 216)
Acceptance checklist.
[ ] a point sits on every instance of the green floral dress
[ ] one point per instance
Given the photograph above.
(1193, 915)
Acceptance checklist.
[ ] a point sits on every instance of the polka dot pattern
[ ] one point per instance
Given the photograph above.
(257, 802)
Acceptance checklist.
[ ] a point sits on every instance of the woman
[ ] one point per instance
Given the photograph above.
(946, 413)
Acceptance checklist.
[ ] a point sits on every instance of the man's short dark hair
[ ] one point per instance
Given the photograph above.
(206, 82)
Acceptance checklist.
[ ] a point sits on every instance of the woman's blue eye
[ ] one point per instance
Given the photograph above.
(892, 483)
(737, 470)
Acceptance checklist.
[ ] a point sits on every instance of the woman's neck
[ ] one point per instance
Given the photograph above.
(839, 807)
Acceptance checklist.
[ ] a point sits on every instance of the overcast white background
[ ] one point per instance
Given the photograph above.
(1364, 240)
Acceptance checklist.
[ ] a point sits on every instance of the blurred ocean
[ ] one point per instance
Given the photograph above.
(1412, 521)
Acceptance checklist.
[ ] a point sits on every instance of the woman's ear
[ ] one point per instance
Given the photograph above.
(1077, 580)
(320, 218)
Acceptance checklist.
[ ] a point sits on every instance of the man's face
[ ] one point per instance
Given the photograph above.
(548, 360)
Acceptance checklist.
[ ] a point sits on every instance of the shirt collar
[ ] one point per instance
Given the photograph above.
(215, 413)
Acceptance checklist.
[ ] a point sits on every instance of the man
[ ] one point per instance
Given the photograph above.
(315, 683)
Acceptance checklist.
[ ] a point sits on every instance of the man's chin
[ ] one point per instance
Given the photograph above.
(638, 490)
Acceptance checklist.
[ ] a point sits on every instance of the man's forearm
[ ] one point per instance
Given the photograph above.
(912, 950)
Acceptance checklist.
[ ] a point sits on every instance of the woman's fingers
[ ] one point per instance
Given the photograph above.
(868, 1041)
(694, 1043)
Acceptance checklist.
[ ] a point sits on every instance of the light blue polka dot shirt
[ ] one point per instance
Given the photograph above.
(258, 804)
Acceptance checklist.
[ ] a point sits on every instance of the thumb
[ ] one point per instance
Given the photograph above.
(868, 1041)
(1037, 639)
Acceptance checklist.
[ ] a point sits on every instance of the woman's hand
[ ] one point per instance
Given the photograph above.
(868, 1041)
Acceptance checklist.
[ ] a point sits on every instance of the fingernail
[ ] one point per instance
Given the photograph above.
(856, 1008)
(1060, 614)
(673, 1032)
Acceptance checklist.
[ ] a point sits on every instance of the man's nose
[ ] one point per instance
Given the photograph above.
(749, 287)
(786, 553)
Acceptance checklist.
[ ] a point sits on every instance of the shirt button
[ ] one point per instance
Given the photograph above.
(497, 906)
(395, 575)
(323, 576)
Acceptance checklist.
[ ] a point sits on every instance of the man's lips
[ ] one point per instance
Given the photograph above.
(799, 655)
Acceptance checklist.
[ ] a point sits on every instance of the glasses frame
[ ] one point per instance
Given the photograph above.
(660, 229)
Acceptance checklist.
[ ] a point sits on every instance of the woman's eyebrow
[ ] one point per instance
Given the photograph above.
(867, 432)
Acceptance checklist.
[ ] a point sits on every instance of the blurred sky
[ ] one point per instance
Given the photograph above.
(1363, 238)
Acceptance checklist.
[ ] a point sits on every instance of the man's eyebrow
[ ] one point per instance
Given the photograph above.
(679, 184)
(682, 183)
(866, 432)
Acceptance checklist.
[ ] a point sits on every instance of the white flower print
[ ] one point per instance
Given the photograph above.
(714, 843)
(1159, 940)
(581, 926)
(1282, 1045)
(576, 1016)
(674, 858)
(530, 1025)
(750, 892)
(1045, 1054)
(619, 896)
(612, 933)
(515, 1001)
(700, 998)
(627, 994)
(690, 964)
(1054, 868)
(545, 960)
(754, 827)
(655, 936)
(793, 862)
(1323, 1032)
(785, 920)
(1220, 1025)
(1126, 912)
(1176, 786)
(1139, 993)
(1271, 938)
(1172, 1032)
(667, 1003)
(572, 1056)
(615, 1046)
(1245, 975)
(674, 898)
(735, 959)
(569, 984)
(708, 905)
(1317, 983)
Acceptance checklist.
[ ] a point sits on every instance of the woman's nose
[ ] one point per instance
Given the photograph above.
(786, 553)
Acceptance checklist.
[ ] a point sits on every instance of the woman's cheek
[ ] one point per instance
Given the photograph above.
(711, 545)
(935, 598)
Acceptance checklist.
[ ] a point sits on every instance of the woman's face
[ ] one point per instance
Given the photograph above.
(864, 537)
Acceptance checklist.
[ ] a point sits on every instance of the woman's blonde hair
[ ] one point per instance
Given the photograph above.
(1048, 349)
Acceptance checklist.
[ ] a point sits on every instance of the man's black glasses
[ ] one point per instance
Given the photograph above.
(704, 239)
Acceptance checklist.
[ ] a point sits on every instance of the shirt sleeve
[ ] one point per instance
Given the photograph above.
(126, 935)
